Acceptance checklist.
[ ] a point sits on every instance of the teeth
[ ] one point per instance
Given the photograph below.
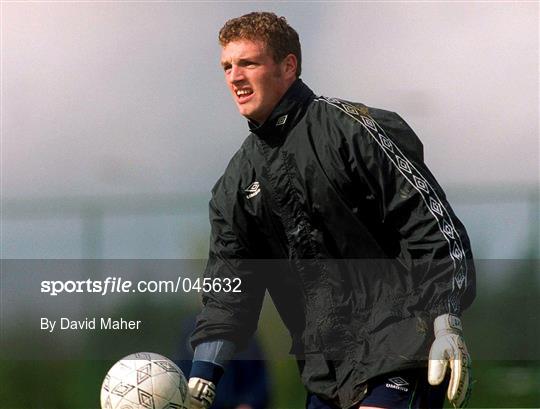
(243, 92)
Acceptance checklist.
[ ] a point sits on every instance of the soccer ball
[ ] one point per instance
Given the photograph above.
(144, 381)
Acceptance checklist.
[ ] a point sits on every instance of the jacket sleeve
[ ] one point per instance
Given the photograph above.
(435, 243)
(226, 314)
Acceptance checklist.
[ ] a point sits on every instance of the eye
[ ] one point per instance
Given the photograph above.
(227, 67)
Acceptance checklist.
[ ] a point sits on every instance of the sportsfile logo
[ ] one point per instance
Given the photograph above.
(253, 190)
(398, 383)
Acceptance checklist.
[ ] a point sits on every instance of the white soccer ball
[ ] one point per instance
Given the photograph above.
(144, 380)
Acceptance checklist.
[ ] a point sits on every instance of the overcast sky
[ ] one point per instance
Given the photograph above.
(113, 98)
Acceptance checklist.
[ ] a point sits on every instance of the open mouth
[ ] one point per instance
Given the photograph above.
(243, 95)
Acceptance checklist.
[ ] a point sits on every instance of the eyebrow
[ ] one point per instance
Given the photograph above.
(240, 61)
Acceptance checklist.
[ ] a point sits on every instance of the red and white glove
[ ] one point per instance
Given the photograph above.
(449, 349)
(202, 393)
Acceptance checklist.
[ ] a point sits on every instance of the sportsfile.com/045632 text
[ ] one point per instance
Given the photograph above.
(117, 285)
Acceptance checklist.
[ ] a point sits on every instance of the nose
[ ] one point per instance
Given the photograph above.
(236, 73)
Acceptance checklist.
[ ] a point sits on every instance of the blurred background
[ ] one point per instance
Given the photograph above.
(116, 123)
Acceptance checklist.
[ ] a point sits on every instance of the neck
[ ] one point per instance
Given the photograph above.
(284, 91)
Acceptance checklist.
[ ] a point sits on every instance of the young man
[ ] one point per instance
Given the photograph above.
(366, 262)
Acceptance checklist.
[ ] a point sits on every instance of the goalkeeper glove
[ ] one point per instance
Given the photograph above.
(449, 348)
(202, 393)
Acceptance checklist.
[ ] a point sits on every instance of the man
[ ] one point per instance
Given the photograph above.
(366, 262)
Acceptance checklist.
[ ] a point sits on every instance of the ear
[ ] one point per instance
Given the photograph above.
(288, 66)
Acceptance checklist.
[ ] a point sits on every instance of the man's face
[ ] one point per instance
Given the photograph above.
(256, 81)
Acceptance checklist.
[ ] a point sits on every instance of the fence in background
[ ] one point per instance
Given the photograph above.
(104, 227)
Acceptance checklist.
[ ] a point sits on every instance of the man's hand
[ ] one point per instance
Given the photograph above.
(202, 393)
(449, 348)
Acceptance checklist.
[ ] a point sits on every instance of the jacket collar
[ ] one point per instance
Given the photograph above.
(286, 114)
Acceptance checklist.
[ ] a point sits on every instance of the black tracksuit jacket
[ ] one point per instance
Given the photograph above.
(329, 207)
